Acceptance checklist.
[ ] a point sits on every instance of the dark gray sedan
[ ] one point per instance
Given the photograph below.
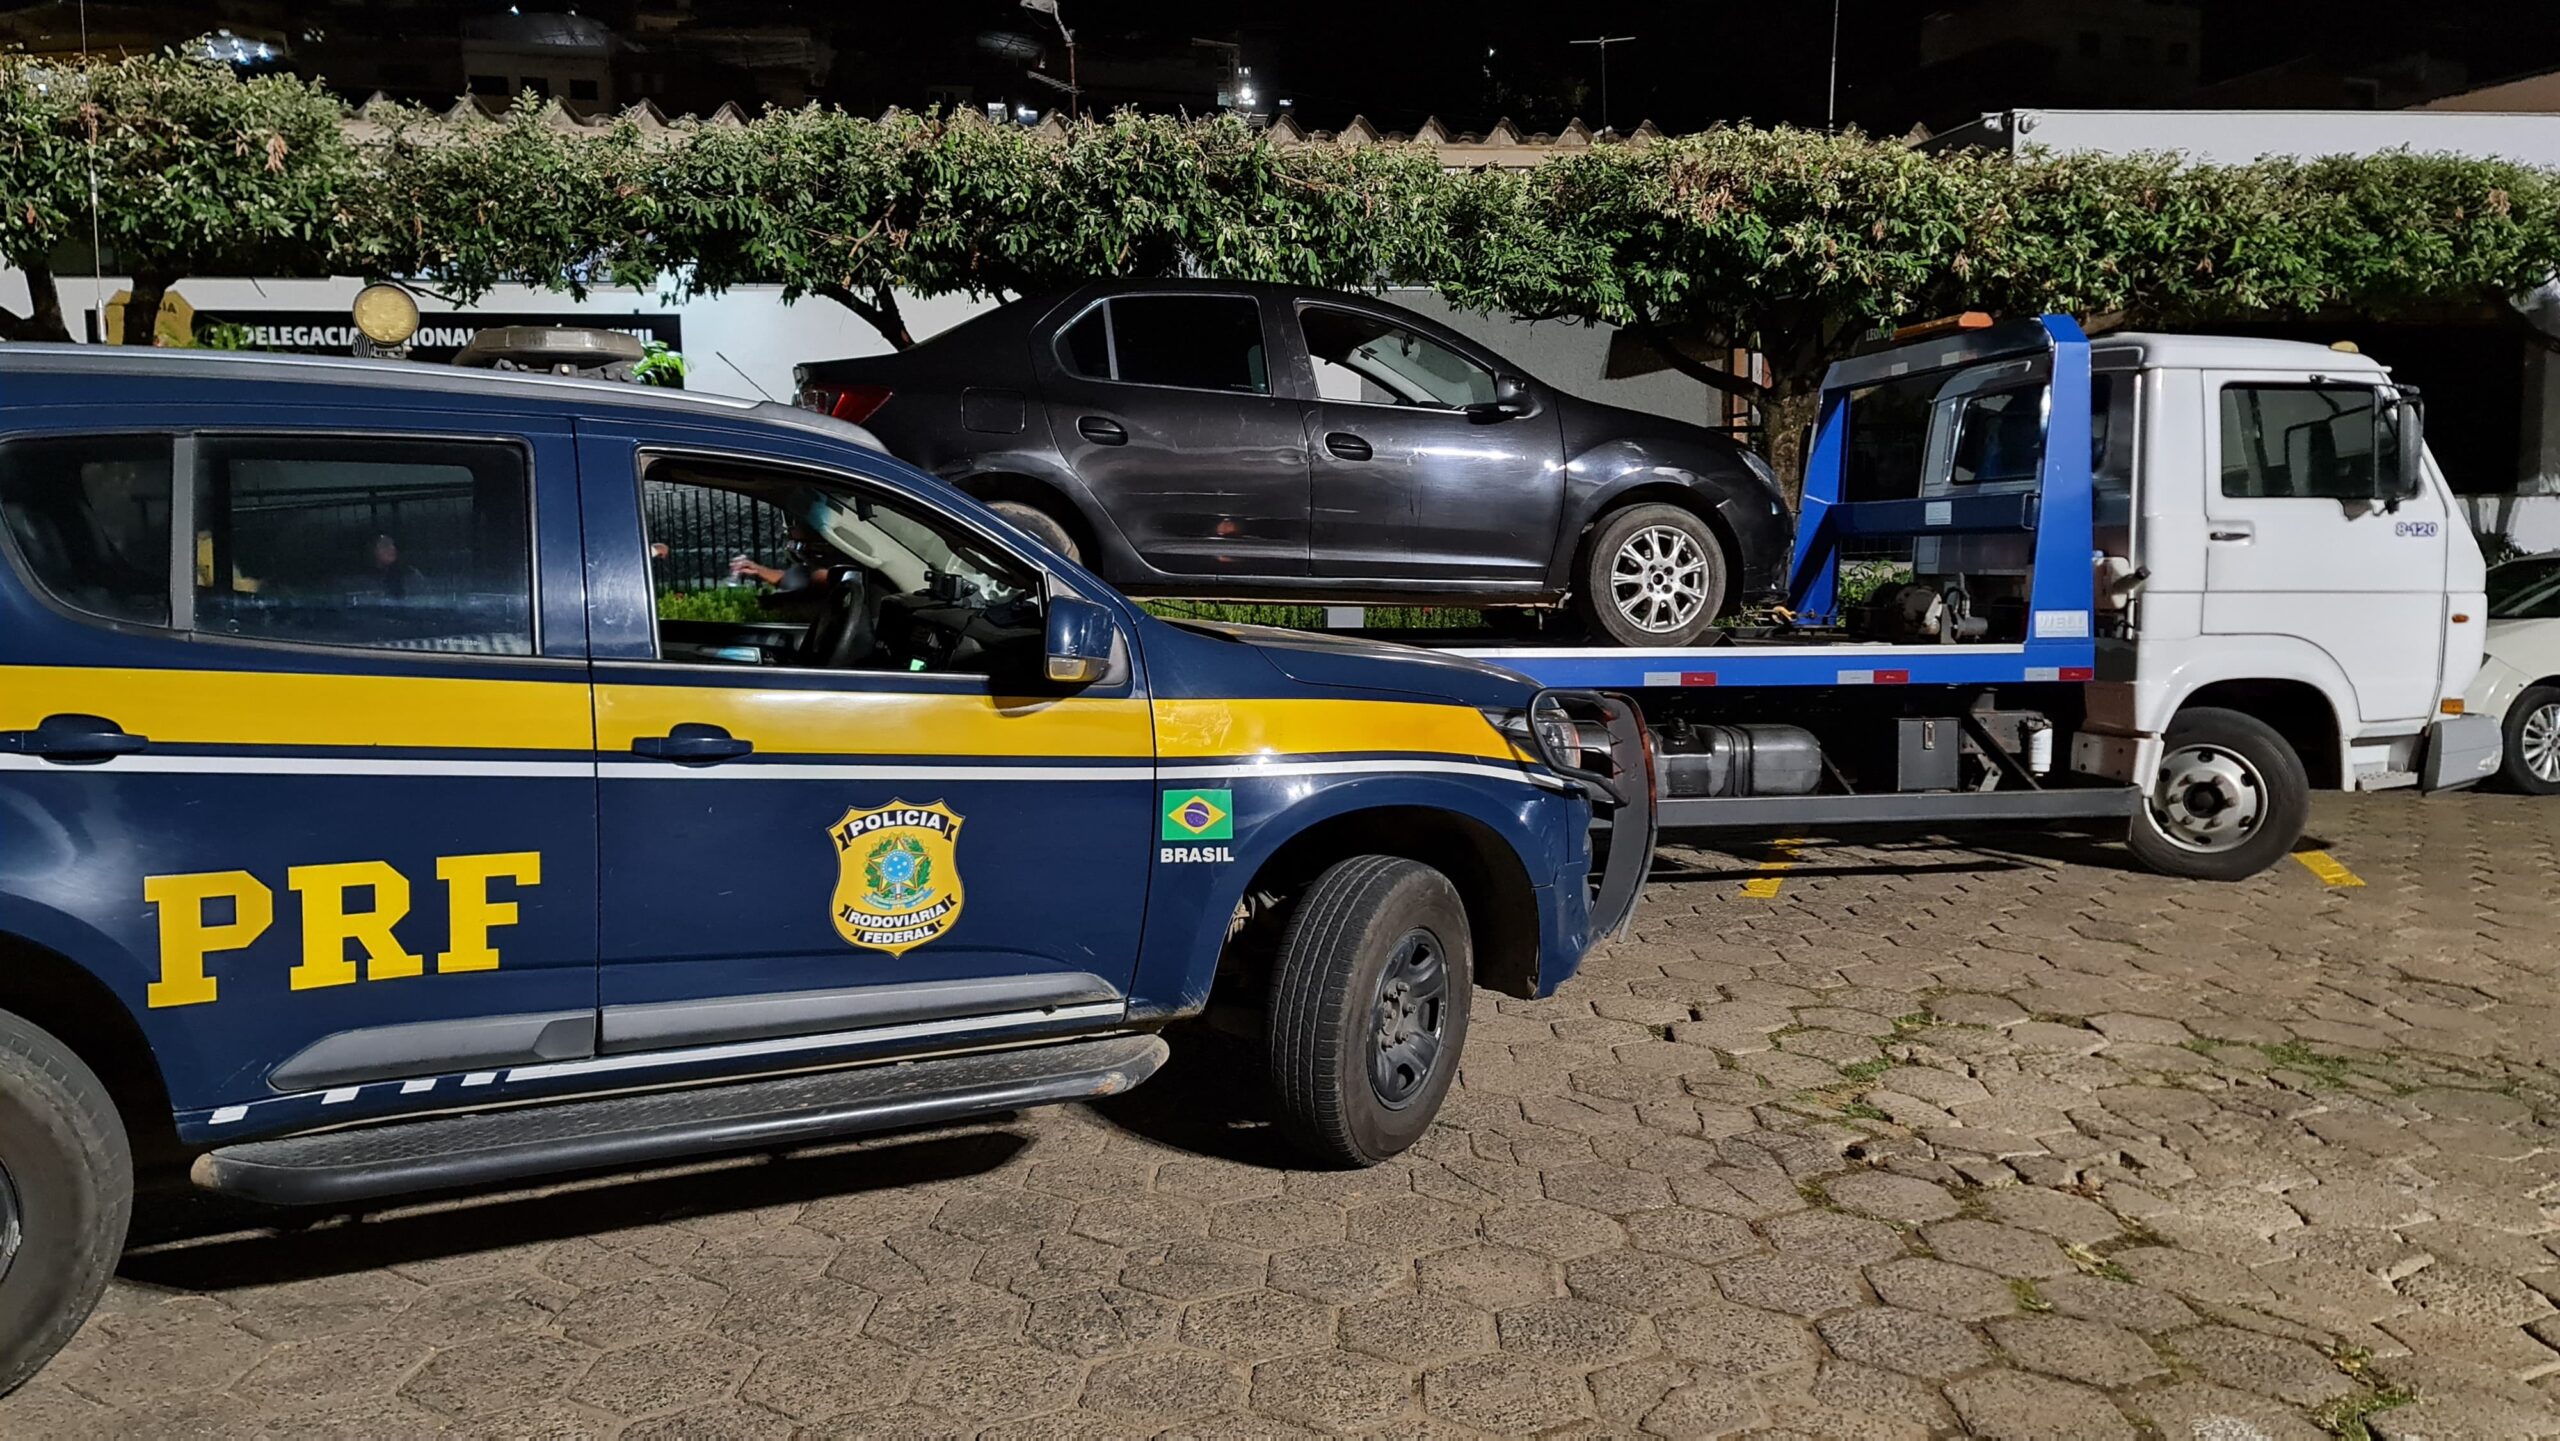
(1265, 442)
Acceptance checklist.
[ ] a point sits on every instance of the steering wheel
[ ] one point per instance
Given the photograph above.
(843, 636)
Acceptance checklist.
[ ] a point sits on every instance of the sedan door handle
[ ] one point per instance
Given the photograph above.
(693, 743)
(73, 740)
(1101, 431)
(2232, 535)
(1350, 447)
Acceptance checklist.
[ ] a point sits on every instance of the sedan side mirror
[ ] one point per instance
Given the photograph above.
(1510, 401)
(1080, 636)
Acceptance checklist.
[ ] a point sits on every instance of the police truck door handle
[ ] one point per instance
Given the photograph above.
(693, 744)
(73, 739)
(1101, 431)
(1350, 447)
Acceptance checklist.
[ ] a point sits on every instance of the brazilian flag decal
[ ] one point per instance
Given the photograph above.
(1199, 815)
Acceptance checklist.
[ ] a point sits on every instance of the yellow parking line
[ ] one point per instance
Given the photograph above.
(1782, 857)
(2328, 868)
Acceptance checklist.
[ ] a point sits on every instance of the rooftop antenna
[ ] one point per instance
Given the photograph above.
(97, 249)
(1604, 42)
(1831, 108)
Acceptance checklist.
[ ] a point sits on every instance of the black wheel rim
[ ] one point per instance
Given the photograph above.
(12, 1232)
(1408, 1019)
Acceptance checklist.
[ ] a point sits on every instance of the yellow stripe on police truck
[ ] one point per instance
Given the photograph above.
(1192, 729)
(291, 708)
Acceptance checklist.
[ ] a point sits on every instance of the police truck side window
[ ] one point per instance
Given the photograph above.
(89, 518)
(396, 544)
(826, 577)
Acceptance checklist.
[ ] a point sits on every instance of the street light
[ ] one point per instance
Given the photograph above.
(1604, 42)
(1050, 9)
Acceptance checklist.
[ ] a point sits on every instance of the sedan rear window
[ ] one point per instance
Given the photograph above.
(1198, 342)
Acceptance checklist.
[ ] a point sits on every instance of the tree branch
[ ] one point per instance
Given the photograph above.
(43, 320)
(1698, 370)
(879, 310)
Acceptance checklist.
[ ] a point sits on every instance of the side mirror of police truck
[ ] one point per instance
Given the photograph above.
(1079, 641)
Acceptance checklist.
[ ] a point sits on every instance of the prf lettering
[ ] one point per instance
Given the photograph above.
(206, 913)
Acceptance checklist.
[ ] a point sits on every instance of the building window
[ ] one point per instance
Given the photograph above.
(540, 85)
(582, 90)
(2137, 49)
(2177, 52)
(488, 85)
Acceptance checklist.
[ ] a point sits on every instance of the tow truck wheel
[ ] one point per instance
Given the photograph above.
(2532, 763)
(2230, 799)
(1654, 575)
(1040, 525)
(66, 1191)
(1369, 1008)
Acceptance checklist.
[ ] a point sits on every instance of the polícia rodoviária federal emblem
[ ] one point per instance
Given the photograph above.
(897, 875)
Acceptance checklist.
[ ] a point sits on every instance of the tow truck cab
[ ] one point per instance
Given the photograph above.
(394, 797)
(2172, 581)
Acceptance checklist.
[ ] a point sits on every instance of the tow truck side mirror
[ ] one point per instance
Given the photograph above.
(1079, 641)
(2409, 418)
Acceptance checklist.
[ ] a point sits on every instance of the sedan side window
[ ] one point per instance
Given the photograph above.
(1365, 360)
(1197, 342)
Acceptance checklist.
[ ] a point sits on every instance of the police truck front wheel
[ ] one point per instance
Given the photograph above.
(1369, 1008)
(2230, 798)
(66, 1190)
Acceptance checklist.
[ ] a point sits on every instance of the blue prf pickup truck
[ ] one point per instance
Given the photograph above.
(386, 806)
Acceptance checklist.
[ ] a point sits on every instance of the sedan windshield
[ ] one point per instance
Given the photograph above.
(2526, 589)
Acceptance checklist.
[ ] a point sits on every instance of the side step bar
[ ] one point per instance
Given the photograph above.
(487, 1147)
(1923, 808)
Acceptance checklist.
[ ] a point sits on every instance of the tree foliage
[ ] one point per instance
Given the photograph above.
(179, 165)
(1789, 243)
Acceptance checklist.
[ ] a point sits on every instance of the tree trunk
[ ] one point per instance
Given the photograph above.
(142, 307)
(879, 309)
(1786, 420)
(43, 320)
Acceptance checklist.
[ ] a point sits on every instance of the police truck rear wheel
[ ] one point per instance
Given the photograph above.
(2230, 799)
(1653, 575)
(1040, 525)
(1369, 1008)
(66, 1191)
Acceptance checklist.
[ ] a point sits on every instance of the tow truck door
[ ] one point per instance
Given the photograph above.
(874, 850)
(2285, 556)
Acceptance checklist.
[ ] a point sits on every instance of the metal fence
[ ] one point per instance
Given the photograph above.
(702, 528)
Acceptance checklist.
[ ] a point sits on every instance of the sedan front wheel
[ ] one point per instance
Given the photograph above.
(2532, 763)
(1654, 575)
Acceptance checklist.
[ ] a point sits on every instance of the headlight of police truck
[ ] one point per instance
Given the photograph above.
(1550, 735)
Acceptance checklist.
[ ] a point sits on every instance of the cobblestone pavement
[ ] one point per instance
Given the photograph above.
(1927, 1141)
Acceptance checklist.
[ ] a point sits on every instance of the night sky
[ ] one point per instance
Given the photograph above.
(1695, 63)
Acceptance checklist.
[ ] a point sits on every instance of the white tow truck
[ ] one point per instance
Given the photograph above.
(2174, 580)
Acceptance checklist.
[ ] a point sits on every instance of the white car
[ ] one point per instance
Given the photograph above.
(2519, 682)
